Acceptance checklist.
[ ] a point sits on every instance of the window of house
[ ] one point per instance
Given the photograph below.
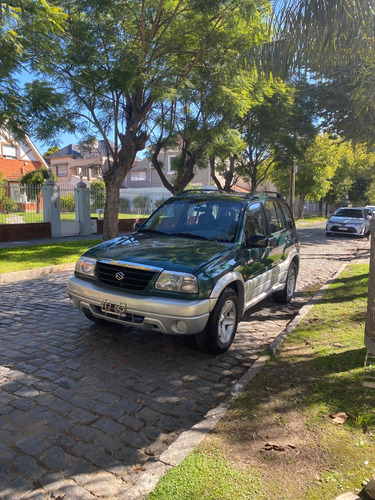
(10, 151)
(171, 170)
(62, 170)
(138, 175)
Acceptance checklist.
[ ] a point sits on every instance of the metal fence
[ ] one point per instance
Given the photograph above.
(20, 204)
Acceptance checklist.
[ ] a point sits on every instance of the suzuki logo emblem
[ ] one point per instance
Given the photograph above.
(119, 276)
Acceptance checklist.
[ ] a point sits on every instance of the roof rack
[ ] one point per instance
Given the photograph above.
(256, 194)
(200, 190)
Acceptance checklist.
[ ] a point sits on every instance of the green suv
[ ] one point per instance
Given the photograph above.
(194, 267)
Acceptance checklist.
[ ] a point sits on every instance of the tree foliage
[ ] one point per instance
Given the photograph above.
(118, 59)
(276, 130)
(333, 42)
(33, 109)
(35, 177)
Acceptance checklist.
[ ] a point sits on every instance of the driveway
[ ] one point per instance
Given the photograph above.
(85, 410)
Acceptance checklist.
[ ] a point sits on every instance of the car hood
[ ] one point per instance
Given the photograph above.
(346, 220)
(166, 252)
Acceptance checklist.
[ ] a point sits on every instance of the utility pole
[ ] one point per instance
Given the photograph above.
(292, 186)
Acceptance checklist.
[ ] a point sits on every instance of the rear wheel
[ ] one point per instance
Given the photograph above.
(222, 324)
(286, 294)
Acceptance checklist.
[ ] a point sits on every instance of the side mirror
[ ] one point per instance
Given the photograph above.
(136, 226)
(257, 241)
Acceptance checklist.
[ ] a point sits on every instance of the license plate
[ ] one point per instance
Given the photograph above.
(111, 308)
(343, 228)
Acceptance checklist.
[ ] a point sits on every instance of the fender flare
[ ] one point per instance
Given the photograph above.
(235, 279)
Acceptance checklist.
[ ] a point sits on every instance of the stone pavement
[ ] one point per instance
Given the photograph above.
(97, 412)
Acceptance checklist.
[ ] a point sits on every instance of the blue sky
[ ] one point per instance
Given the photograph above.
(64, 138)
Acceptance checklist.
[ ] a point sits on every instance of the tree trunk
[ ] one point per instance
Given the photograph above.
(110, 223)
(301, 205)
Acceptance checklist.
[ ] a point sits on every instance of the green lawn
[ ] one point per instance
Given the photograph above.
(33, 256)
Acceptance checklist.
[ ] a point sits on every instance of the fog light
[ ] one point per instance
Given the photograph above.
(180, 327)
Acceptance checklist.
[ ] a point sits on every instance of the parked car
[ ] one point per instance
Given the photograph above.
(372, 208)
(349, 220)
(193, 268)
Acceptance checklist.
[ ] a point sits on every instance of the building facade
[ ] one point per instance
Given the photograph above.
(17, 158)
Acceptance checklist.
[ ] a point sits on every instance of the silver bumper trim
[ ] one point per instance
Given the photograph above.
(170, 316)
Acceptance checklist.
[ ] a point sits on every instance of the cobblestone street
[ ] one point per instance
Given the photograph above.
(85, 410)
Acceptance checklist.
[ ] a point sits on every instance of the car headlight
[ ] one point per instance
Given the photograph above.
(85, 265)
(177, 282)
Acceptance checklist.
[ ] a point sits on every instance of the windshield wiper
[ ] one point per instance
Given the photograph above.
(153, 231)
(192, 235)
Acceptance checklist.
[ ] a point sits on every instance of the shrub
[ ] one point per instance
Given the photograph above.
(124, 205)
(97, 193)
(9, 206)
(67, 203)
(159, 202)
(140, 204)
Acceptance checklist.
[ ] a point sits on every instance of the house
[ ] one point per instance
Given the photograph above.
(17, 158)
(144, 175)
(72, 162)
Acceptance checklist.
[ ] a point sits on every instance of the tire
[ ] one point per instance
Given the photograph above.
(286, 294)
(222, 324)
(328, 233)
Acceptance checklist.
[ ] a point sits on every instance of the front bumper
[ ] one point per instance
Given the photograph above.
(352, 230)
(159, 314)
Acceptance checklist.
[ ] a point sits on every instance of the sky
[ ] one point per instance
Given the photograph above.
(64, 139)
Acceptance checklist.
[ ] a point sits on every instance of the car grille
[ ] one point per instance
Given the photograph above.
(127, 278)
(348, 230)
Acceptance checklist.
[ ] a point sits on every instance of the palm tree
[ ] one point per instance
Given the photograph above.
(319, 36)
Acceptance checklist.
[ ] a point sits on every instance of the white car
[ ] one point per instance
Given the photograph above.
(354, 221)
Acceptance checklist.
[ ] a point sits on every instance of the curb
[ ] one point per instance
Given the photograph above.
(29, 274)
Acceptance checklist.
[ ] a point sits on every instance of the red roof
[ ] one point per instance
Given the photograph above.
(12, 170)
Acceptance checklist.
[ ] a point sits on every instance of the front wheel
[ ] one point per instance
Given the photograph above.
(222, 324)
(286, 294)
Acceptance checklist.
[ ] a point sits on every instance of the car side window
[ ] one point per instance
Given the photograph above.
(255, 220)
(276, 219)
(287, 213)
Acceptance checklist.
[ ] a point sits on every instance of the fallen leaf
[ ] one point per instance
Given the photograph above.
(113, 366)
(339, 418)
(139, 469)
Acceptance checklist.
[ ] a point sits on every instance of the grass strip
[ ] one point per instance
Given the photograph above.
(280, 439)
(33, 256)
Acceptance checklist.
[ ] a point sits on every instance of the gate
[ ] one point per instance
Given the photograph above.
(68, 215)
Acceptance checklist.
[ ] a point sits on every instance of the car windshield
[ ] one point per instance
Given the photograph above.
(204, 218)
(349, 212)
